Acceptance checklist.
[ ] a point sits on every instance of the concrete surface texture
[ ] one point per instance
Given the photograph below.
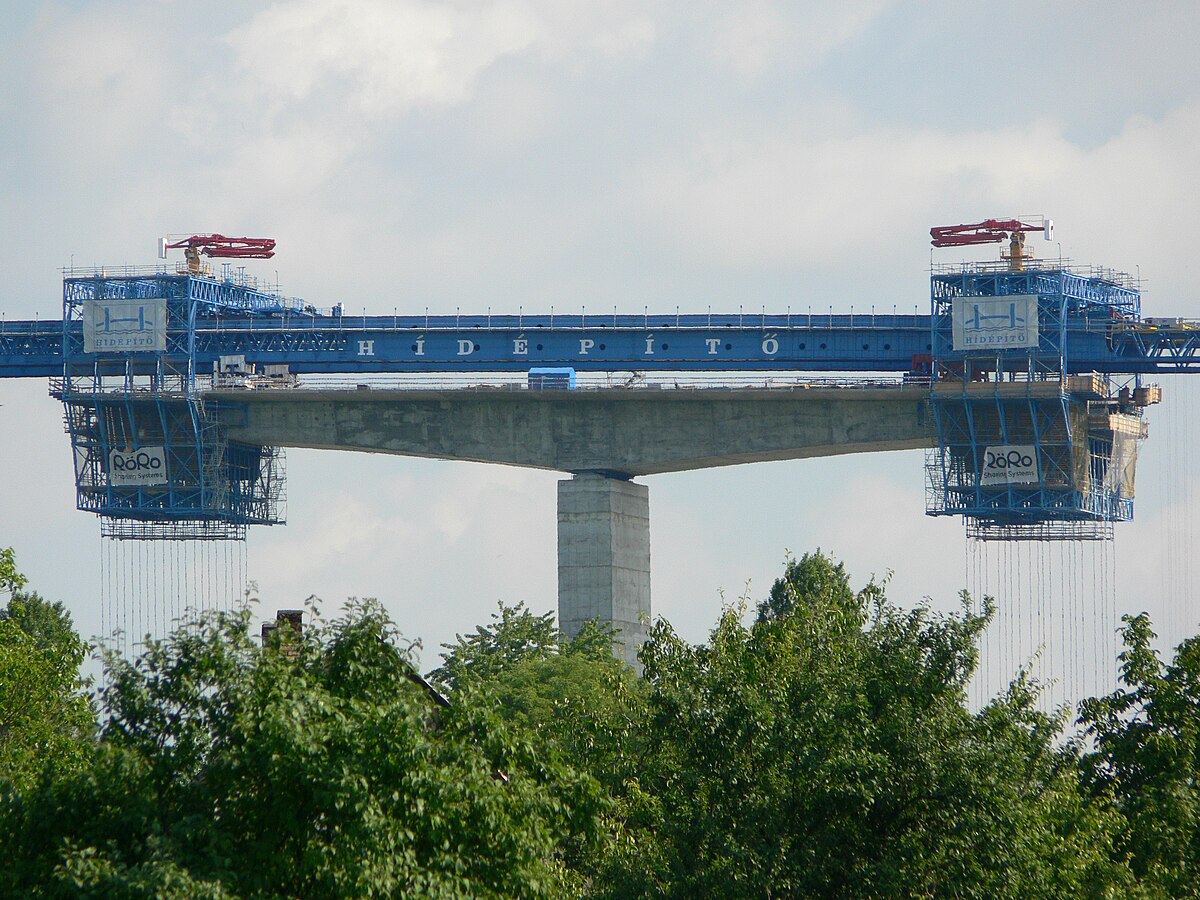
(630, 432)
(604, 557)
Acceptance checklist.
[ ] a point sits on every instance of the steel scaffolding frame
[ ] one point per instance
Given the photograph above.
(1079, 480)
(147, 402)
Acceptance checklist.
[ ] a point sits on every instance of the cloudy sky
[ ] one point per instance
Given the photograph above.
(537, 153)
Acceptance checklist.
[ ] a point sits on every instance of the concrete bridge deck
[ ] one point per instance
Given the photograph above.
(623, 432)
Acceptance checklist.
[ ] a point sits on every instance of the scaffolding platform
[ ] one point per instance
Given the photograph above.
(151, 458)
(1022, 449)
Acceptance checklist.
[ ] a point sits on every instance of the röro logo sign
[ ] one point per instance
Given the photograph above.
(1009, 464)
(136, 461)
(1013, 459)
(134, 468)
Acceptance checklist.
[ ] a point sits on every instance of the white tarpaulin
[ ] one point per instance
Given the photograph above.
(1009, 464)
(137, 468)
(995, 323)
(124, 325)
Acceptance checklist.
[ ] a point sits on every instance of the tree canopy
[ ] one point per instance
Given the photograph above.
(828, 751)
(44, 709)
(10, 579)
(820, 744)
(1146, 757)
(814, 579)
(307, 767)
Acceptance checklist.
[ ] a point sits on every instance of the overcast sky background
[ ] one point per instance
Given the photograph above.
(592, 154)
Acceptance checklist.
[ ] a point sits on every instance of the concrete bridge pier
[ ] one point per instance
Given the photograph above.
(604, 557)
(606, 437)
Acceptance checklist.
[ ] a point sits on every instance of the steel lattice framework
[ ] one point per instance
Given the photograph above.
(150, 457)
(1056, 397)
(1023, 448)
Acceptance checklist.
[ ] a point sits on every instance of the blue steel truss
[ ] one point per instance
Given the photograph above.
(150, 457)
(209, 487)
(1075, 439)
(1089, 322)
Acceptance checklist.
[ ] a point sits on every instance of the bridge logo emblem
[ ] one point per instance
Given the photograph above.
(995, 323)
(124, 325)
(137, 468)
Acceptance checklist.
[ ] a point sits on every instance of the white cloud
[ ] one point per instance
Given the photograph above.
(99, 79)
(389, 58)
(281, 164)
(587, 30)
(800, 196)
(753, 37)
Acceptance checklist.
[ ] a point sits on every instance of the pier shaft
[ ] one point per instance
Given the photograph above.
(604, 557)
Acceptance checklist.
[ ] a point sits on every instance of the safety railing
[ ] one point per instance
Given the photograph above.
(586, 381)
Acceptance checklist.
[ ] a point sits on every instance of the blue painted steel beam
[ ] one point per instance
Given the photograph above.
(406, 344)
(31, 349)
(512, 343)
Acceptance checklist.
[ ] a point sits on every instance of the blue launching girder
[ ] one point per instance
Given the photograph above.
(31, 349)
(1032, 441)
(210, 319)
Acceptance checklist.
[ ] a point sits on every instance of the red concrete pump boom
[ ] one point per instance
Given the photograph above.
(217, 245)
(989, 231)
(992, 231)
(226, 247)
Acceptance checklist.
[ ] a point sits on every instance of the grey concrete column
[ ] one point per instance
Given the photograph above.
(604, 557)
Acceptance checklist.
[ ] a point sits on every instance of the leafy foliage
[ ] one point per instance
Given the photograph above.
(516, 634)
(1147, 757)
(571, 691)
(814, 579)
(311, 767)
(10, 579)
(579, 702)
(45, 717)
(828, 751)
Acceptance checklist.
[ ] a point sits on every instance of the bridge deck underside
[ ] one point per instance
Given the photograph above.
(625, 432)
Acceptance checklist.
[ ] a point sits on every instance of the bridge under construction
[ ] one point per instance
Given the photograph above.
(1025, 383)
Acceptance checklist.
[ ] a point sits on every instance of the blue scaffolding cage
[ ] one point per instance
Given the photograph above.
(1024, 450)
(151, 459)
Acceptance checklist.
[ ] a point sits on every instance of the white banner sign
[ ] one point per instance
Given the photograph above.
(124, 325)
(137, 468)
(1009, 464)
(995, 323)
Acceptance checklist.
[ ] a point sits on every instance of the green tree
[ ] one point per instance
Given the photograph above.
(573, 697)
(311, 767)
(46, 719)
(514, 635)
(572, 692)
(1146, 755)
(10, 579)
(828, 751)
(814, 579)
